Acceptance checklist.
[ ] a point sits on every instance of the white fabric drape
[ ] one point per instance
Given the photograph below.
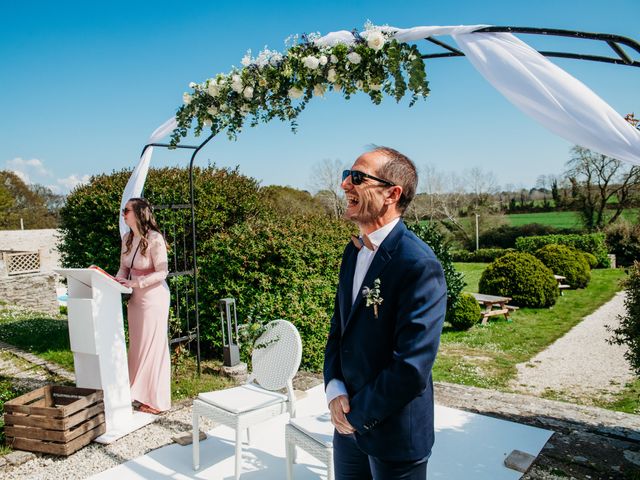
(540, 89)
(135, 185)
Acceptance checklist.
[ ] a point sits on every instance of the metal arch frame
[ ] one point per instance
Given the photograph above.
(615, 42)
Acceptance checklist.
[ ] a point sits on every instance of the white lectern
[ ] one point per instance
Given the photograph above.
(96, 334)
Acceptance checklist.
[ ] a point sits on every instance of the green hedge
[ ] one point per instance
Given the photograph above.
(628, 333)
(522, 277)
(465, 313)
(568, 262)
(484, 255)
(593, 243)
(283, 267)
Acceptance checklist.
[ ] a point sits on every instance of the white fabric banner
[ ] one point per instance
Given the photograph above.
(135, 185)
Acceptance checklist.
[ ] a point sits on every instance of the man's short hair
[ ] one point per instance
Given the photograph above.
(400, 170)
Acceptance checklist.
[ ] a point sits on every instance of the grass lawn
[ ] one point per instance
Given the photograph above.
(561, 219)
(486, 356)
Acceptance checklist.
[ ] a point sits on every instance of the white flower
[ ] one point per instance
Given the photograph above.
(223, 107)
(213, 111)
(262, 82)
(311, 62)
(246, 60)
(359, 84)
(323, 60)
(192, 84)
(295, 92)
(236, 83)
(375, 40)
(332, 75)
(186, 98)
(334, 59)
(275, 58)
(318, 90)
(375, 86)
(248, 93)
(207, 122)
(354, 58)
(213, 89)
(412, 57)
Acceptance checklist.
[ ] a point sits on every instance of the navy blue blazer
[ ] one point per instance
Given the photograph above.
(386, 362)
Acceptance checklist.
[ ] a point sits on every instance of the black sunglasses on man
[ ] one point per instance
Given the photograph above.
(357, 177)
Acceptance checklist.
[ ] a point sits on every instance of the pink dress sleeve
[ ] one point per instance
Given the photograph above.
(124, 267)
(158, 250)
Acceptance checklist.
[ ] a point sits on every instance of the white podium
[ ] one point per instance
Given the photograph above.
(96, 334)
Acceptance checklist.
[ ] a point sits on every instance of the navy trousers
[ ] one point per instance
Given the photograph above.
(351, 463)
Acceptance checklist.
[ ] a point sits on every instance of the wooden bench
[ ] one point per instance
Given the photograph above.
(494, 305)
(561, 286)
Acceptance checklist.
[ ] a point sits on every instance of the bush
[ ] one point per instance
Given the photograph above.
(522, 277)
(481, 255)
(628, 333)
(623, 239)
(590, 258)
(592, 243)
(429, 233)
(568, 262)
(505, 236)
(465, 313)
(280, 267)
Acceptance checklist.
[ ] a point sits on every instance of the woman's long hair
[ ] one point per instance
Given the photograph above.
(145, 221)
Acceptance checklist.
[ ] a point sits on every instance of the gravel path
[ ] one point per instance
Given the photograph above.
(581, 364)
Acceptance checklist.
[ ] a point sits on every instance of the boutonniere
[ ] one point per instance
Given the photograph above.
(372, 296)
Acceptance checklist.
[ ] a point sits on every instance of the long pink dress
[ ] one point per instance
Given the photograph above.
(148, 316)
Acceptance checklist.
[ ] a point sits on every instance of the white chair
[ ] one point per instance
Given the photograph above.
(273, 368)
(314, 435)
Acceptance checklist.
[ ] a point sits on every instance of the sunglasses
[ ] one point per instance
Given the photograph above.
(125, 211)
(357, 177)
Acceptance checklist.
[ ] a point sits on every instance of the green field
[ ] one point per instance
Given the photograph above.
(561, 219)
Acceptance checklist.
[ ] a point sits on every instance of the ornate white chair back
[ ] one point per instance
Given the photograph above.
(275, 364)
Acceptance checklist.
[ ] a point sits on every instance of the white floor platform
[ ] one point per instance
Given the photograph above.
(468, 446)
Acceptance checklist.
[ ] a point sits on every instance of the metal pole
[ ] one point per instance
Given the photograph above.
(477, 237)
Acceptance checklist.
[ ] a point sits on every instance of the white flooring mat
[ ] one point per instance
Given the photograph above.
(468, 446)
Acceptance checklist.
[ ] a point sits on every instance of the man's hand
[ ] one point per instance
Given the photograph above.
(338, 407)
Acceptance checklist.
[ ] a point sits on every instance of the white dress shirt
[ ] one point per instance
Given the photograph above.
(336, 387)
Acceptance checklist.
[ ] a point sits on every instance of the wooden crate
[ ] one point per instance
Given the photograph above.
(54, 419)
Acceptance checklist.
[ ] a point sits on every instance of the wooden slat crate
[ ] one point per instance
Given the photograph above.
(54, 419)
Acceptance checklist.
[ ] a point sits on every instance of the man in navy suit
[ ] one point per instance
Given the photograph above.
(385, 330)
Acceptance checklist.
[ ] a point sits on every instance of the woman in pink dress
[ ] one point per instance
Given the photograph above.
(144, 267)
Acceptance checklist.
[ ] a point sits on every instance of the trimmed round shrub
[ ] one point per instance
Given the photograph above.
(590, 258)
(568, 262)
(522, 277)
(464, 313)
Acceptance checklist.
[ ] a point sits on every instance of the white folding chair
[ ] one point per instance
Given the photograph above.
(273, 368)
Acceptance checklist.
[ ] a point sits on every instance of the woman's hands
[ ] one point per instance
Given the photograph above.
(128, 283)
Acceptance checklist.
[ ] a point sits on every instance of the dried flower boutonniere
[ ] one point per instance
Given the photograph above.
(372, 296)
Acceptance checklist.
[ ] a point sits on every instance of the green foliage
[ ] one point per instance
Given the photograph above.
(429, 233)
(505, 236)
(465, 312)
(36, 205)
(592, 243)
(289, 201)
(278, 267)
(623, 240)
(590, 258)
(628, 333)
(566, 261)
(480, 255)
(522, 277)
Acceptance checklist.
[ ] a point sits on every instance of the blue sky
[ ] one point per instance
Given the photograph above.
(83, 84)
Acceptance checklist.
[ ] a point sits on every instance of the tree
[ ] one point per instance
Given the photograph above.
(600, 183)
(37, 206)
(326, 177)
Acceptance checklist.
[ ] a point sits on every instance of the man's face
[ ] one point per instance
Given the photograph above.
(365, 202)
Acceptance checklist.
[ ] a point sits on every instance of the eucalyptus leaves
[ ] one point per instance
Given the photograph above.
(273, 85)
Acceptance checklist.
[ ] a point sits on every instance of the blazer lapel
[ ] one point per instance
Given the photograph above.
(382, 257)
(345, 287)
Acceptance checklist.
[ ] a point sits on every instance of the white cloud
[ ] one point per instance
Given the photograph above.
(73, 181)
(32, 166)
(22, 176)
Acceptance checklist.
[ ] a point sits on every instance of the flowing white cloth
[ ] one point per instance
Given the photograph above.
(135, 185)
(540, 89)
